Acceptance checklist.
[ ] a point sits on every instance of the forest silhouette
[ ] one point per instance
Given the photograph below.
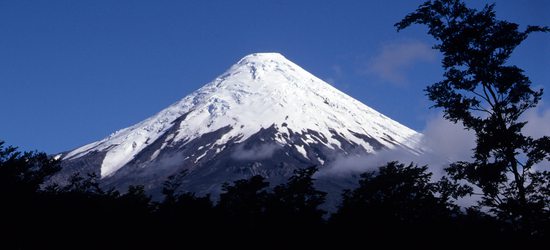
(395, 205)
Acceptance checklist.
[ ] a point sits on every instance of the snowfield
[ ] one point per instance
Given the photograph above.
(259, 91)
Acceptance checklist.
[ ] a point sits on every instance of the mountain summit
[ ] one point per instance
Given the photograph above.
(265, 115)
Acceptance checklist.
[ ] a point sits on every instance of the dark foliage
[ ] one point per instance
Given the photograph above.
(396, 200)
(295, 204)
(397, 205)
(188, 214)
(23, 173)
(243, 203)
(488, 96)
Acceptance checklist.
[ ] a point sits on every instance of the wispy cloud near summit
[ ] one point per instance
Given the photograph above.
(393, 60)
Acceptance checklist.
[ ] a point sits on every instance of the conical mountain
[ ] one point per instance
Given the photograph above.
(265, 115)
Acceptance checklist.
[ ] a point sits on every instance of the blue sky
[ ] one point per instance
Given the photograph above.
(72, 72)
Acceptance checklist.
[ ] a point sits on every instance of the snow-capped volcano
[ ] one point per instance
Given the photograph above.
(264, 115)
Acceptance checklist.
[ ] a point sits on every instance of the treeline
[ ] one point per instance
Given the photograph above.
(396, 205)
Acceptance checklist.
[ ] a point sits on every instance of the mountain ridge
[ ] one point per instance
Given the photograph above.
(291, 115)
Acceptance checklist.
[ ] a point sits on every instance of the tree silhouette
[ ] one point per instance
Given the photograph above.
(23, 172)
(396, 201)
(79, 184)
(395, 205)
(243, 203)
(295, 205)
(488, 96)
(171, 185)
(185, 208)
(135, 205)
(21, 175)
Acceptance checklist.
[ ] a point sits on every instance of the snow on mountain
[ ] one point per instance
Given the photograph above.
(261, 92)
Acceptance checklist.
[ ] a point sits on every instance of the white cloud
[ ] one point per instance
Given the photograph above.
(337, 70)
(538, 122)
(330, 80)
(263, 151)
(443, 142)
(346, 164)
(538, 125)
(395, 58)
(336, 73)
(449, 140)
